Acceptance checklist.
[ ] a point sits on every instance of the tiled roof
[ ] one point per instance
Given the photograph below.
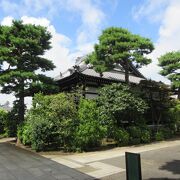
(112, 75)
(117, 74)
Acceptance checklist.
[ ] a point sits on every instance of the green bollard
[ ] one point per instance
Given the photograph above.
(133, 166)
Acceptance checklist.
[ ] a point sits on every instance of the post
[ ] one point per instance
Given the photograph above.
(133, 166)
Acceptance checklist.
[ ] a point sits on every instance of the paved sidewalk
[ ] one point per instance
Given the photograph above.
(20, 164)
(110, 164)
(159, 161)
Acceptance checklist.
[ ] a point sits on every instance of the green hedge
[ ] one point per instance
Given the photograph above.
(90, 131)
(59, 122)
(122, 137)
(3, 119)
(50, 123)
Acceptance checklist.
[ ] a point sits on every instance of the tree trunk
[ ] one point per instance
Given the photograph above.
(21, 108)
(127, 72)
(21, 102)
(158, 121)
(179, 93)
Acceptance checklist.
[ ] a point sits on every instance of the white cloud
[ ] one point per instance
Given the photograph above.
(169, 32)
(91, 15)
(7, 21)
(92, 18)
(151, 9)
(30, 7)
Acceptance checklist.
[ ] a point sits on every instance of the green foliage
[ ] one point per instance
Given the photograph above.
(145, 136)
(174, 113)
(12, 121)
(90, 132)
(121, 136)
(21, 49)
(24, 133)
(159, 136)
(57, 122)
(135, 134)
(3, 119)
(51, 122)
(41, 134)
(170, 63)
(11, 125)
(118, 45)
(20, 132)
(167, 132)
(157, 96)
(164, 133)
(119, 104)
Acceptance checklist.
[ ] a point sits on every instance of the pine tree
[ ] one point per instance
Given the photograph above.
(22, 47)
(170, 64)
(119, 46)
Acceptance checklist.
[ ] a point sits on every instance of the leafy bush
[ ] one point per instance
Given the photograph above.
(118, 104)
(40, 135)
(167, 132)
(51, 122)
(90, 131)
(174, 113)
(122, 137)
(159, 136)
(26, 134)
(11, 124)
(3, 119)
(135, 134)
(20, 132)
(145, 136)
(157, 96)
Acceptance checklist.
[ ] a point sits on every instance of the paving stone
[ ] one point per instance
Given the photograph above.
(22, 174)
(36, 172)
(19, 164)
(5, 175)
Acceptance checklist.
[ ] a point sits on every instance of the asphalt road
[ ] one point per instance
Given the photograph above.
(161, 164)
(19, 164)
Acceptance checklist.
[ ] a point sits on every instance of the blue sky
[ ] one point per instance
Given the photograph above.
(76, 25)
(68, 21)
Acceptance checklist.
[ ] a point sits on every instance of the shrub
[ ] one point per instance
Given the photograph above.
(135, 134)
(145, 136)
(122, 137)
(90, 131)
(51, 122)
(11, 123)
(159, 136)
(41, 130)
(119, 103)
(3, 119)
(174, 113)
(26, 135)
(20, 132)
(167, 132)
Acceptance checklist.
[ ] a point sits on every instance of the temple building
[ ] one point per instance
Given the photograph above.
(85, 76)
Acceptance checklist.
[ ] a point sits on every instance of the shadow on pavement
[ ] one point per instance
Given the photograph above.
(17, 163)
(173, 166)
